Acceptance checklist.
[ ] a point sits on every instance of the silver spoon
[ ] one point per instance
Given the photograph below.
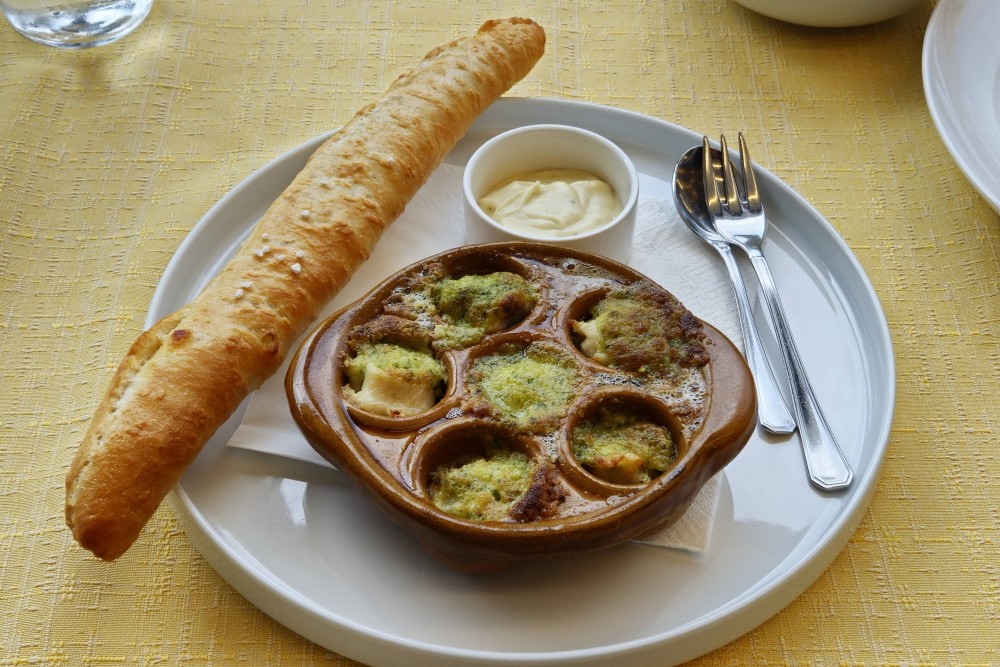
(689, 197)
(740, 220)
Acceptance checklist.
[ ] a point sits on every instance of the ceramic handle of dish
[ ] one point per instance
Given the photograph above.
(828, 469)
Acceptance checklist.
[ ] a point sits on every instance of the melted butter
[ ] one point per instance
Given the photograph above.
(552, 203)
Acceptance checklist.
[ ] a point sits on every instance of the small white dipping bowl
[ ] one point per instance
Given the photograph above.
(538, 147)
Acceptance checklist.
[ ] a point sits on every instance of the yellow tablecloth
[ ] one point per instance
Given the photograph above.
(108, 157)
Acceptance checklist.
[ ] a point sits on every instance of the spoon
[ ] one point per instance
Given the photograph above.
(689, 197)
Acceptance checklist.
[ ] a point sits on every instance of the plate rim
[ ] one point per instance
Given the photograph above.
(701, 635)
(938, 103)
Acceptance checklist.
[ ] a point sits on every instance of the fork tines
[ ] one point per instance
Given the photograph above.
(723, 190)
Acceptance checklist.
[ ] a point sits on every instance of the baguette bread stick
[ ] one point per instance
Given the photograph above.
(186, 375)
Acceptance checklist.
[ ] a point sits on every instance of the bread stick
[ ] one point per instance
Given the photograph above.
(186, 375)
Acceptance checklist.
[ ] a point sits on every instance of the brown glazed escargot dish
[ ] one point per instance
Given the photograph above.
(514, 401)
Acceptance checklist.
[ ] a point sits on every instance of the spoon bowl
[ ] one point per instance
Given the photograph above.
(689, 196)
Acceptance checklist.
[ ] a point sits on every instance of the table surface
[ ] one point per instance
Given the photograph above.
(109, 156)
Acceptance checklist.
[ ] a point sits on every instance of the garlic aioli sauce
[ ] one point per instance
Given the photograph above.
(552, 203)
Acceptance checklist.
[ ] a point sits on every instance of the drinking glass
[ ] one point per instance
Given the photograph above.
(75, 24)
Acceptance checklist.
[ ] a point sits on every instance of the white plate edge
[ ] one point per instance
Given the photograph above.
(937, 105)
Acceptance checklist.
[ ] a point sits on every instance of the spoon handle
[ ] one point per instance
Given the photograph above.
(828, 469)
(772, 412)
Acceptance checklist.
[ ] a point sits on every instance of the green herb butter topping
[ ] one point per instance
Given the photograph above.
(484, 488)
(624, 448)
(459, 312)
(392, 380)
(643, 331)
(531, 387)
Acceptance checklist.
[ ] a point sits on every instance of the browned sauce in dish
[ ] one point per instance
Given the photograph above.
(522, 400)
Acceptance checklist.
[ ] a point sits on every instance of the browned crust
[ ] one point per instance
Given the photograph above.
(393, 330)
(185, 376)
(669, 334)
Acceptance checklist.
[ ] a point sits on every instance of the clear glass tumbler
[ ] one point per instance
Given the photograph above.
(75, 24)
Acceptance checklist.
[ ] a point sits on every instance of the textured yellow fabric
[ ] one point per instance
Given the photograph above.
(108, 157)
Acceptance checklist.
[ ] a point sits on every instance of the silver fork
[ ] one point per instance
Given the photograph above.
(739, 217)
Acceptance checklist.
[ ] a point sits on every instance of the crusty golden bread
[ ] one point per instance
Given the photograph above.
(186, 375)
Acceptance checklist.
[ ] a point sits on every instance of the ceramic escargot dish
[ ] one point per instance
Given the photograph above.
(514, 401)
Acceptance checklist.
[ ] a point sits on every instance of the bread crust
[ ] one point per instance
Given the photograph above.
(185, 376)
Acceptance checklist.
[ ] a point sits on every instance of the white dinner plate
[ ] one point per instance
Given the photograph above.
(961, 70)
(300, 542)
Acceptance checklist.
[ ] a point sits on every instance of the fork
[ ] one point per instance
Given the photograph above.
(738, 215)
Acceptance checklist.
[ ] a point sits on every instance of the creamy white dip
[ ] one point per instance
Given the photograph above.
(552, 203)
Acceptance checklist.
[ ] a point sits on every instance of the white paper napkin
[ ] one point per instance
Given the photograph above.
(664, 250)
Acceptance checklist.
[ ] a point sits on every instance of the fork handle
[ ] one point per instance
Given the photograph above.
(771, 408)
(828, 469)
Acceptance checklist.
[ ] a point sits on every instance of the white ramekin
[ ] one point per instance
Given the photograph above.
(538, 147)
